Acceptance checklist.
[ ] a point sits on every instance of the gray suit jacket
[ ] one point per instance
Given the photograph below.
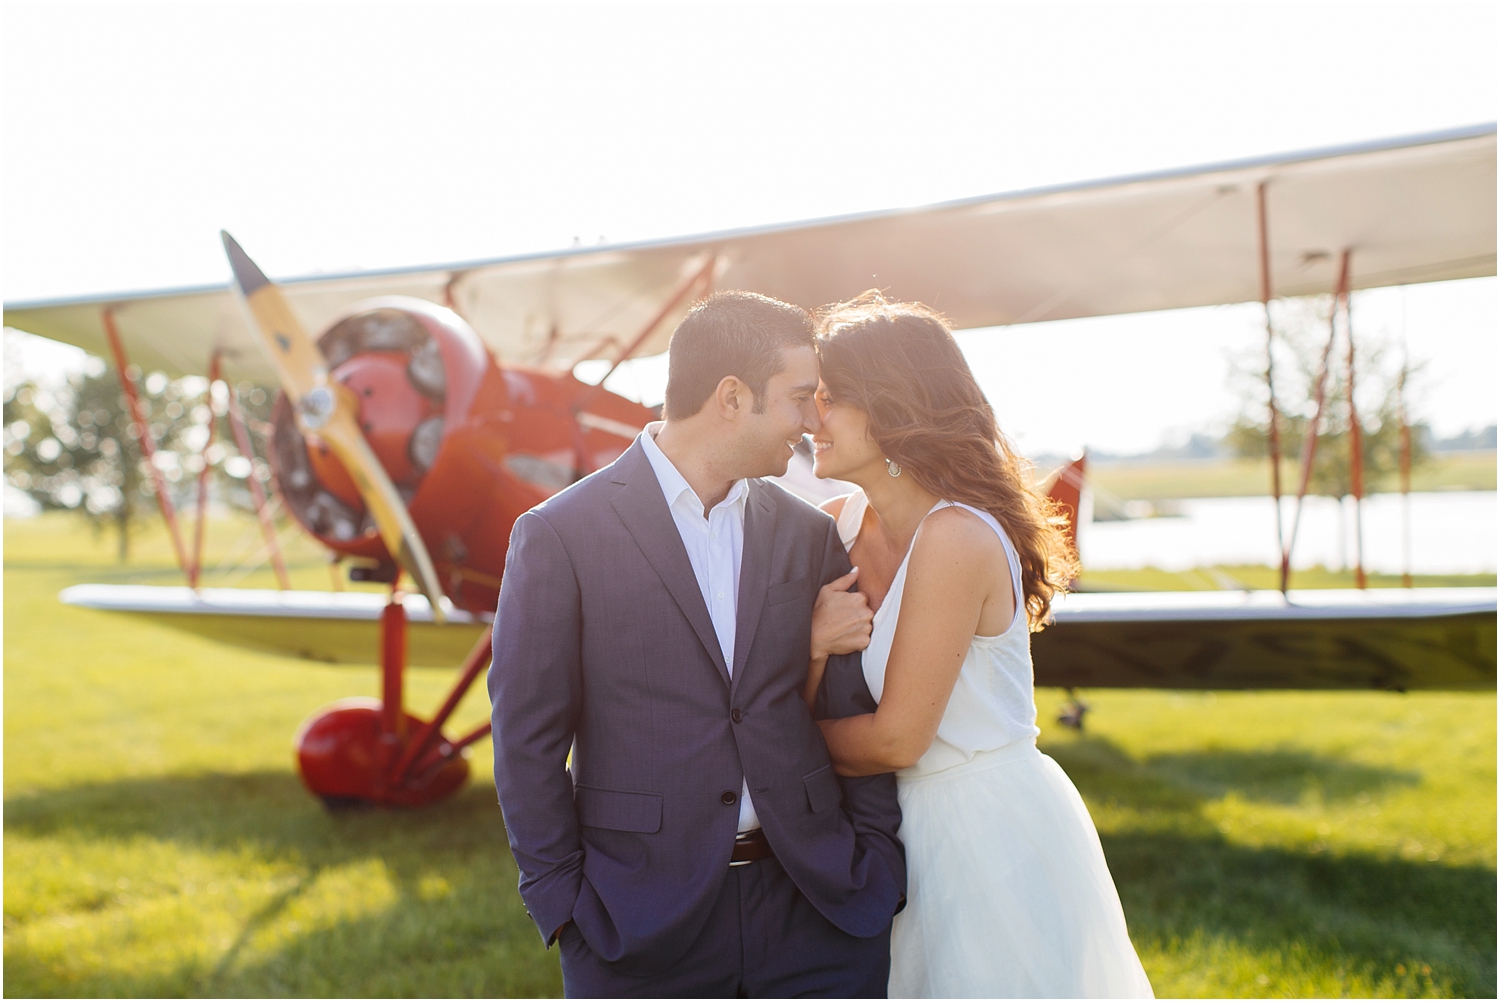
(603, 646)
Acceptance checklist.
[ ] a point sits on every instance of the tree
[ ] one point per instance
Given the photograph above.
(1301, 335)
(73, 446)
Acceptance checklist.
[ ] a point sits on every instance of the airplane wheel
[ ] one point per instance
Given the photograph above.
(345, 760)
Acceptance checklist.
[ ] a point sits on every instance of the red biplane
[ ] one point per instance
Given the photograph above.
(438, 403)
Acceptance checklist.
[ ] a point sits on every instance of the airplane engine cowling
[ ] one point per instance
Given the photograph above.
(468, 444)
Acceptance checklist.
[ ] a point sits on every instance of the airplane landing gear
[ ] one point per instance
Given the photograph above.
(368, 752)
(346, 758)
(1071, 714)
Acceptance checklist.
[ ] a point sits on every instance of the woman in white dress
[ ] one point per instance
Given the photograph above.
(958, 556)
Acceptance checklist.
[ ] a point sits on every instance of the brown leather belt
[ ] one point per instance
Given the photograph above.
(750, 846)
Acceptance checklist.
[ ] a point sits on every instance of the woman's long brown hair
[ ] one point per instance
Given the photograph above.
(899, 364)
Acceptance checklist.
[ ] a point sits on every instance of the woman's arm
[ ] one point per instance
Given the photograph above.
(950, 577)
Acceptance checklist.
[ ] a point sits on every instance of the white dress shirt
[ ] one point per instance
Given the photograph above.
(715, 545)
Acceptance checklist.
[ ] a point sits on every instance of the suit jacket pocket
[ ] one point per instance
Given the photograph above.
(618, 810)
(823, 790)
(787, 591)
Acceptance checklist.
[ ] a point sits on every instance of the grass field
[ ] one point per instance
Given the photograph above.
(158, 842)
(1152, 481)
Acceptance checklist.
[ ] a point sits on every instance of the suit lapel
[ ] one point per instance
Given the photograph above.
(755, 571)
(643, 508)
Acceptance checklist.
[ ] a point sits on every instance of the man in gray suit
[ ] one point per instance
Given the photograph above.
(669, 800)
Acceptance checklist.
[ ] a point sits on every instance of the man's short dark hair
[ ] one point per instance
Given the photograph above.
(738, 334)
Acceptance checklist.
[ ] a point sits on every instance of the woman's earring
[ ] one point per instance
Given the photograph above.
(893, 468)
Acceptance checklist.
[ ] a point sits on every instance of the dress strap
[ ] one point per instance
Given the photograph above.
(852, 516)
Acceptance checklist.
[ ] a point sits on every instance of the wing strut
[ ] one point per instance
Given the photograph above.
(701, 279)
(195, 569)
(192, 568)
(1406, 581)
(148, 447)
(257, 493)
(698, 284)
(1356, 451)
(1274, 436)
(1341, 298)
(1310, 437)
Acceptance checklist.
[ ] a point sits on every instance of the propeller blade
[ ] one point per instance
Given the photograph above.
(399, 533)
(330, 412)
(300, 366)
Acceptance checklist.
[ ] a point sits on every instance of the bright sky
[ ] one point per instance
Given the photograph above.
(336, 136)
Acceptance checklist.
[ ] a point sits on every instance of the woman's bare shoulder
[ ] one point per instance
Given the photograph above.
(954, 535)
(834, 506)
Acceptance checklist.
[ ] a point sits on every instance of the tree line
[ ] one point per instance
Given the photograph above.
(74, 445)
(1386, 385)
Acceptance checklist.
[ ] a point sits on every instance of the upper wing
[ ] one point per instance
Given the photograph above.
(1418, 209)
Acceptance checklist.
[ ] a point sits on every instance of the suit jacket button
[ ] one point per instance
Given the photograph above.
(728, 797)
(735, 714)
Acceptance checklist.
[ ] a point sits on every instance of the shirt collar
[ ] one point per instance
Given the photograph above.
(674, 483)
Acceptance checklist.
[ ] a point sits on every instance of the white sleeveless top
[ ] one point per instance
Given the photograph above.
(993, 704)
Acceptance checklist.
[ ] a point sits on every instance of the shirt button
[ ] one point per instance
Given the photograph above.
(728, 797)
(713, 535)
(735, 715)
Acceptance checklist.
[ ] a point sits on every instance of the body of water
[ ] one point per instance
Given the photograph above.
(1451, 532)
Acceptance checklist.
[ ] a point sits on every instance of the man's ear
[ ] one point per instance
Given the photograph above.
(732, 398)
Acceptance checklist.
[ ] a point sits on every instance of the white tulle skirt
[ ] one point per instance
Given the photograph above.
(1008, 893)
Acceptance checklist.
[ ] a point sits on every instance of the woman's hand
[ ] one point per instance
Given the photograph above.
(840, 625)
(841, 619)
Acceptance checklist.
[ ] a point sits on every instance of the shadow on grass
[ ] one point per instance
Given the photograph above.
(457, 925)
(1277, 776)
(269, 810)
(1359, 914)
(1182, 881)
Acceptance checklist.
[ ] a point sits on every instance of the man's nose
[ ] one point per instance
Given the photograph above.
(811, 419)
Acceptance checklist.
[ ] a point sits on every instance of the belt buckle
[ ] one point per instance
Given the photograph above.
(744, 837)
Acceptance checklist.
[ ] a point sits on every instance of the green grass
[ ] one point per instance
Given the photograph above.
(1296, 844)
(158, 842)
(1152, 481)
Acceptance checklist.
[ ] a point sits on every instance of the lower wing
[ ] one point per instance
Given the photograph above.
(1396, 639)
(332, 627)
(1432, 638)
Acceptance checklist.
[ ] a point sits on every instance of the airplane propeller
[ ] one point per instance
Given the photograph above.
(329, 411)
